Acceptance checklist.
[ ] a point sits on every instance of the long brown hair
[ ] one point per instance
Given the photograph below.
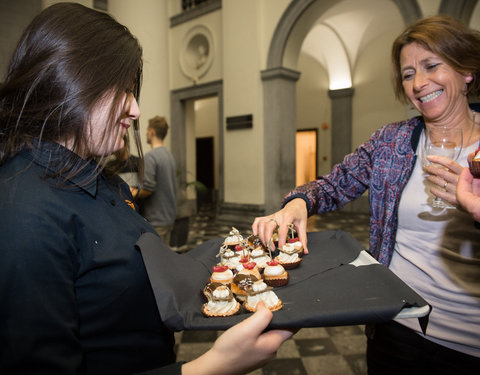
(447, 37)
(66, 61)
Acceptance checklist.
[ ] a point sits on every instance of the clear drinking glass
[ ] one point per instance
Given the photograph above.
(444, 141)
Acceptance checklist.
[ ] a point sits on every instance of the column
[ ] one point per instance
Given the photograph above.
(341, 123)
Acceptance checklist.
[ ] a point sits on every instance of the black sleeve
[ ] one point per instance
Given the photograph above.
(38, 316)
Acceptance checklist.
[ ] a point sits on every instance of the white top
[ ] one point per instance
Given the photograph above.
(438, 255)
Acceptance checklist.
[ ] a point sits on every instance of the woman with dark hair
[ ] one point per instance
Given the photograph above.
(75, 295)
(436, 64)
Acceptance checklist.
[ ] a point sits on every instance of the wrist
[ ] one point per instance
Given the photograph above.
(206, 364)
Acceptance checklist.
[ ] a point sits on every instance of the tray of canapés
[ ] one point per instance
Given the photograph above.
(248, 272)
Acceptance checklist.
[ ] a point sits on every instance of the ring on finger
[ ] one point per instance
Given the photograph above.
(445, 185)
(272, 219)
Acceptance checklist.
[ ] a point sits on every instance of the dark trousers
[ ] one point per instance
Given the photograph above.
(395, 349)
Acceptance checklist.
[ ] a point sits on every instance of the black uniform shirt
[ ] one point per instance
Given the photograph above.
(74, 293)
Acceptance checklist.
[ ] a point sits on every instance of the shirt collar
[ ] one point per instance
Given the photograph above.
(50, 156)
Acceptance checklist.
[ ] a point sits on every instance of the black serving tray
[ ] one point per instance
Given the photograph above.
(325, 290)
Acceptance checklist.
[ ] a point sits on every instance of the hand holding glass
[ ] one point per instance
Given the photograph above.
(446, 142)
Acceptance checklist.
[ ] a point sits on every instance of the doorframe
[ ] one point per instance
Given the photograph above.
(315, 130)
(178, 99)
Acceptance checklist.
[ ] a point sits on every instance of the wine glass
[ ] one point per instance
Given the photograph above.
(442, 141)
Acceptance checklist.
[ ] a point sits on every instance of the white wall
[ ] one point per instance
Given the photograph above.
(243, 95)
(149, 23)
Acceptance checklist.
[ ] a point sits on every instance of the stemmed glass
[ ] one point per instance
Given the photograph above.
(444, 141)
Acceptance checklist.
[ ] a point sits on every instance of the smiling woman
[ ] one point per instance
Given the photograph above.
(436, 67)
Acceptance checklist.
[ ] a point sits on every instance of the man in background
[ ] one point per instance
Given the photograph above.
(159, 187)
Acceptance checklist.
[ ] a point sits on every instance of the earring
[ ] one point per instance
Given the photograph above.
(469, 79)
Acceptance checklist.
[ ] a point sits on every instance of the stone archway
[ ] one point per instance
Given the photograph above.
(279, 88)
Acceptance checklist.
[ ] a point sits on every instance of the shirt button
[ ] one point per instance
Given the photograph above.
(112, 202)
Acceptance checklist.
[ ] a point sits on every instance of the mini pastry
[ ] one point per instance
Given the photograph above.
(241, 283)
(274, 274)
(234, 239)
(474, 163)
(247, 274)
(242, 251)
(221, 301)
(260, 257)
(230, 259)
(292, 238)
(288, 256)
(261, 292)
(248, 268)
(295, 242)
(221, 274)
(255, 242)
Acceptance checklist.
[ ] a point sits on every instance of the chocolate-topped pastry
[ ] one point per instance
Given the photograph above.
(255, 242)
(260, 292)
(228, 257)
(242, 282)
(209, 288)
(221, 301)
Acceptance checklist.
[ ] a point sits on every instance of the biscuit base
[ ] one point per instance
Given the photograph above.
(213, 315)
(278, 306)
(289, 266)
(272, 281)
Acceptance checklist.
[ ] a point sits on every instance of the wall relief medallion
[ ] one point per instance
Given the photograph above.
(197, 53)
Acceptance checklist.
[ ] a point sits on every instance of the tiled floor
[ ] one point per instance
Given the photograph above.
(312, 351)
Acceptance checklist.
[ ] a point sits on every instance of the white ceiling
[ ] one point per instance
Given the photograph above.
(342, 31)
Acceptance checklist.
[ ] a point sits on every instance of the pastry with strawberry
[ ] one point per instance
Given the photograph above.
(246, 266)
(292, 238)
(242, 250)
(233, 239)
(275, 274)
(221, 274)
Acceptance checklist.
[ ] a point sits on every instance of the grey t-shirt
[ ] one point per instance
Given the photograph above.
(160, 178)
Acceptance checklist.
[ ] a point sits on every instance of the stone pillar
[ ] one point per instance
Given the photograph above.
(341, 123)
(279, 100)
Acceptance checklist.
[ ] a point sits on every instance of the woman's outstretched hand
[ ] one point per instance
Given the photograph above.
(294, 212)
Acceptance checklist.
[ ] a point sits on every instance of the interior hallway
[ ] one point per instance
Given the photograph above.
(329, 350)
